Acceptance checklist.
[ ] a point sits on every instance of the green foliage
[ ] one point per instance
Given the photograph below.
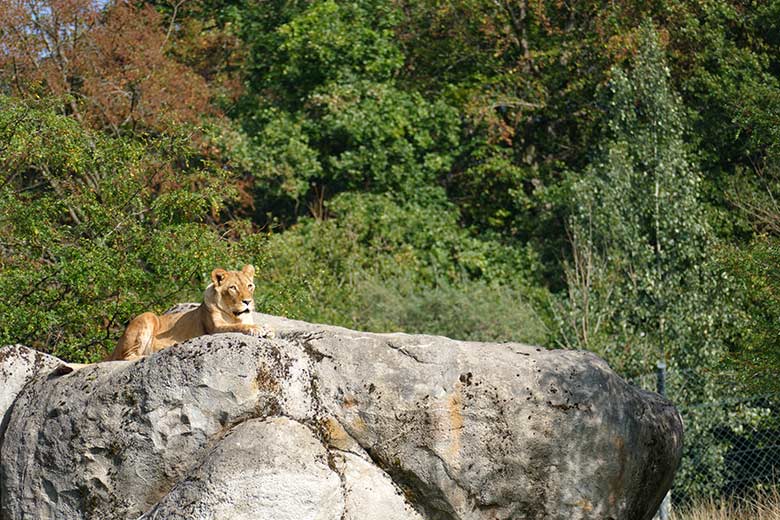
(421, 237)
(755, 355)
(377, 138)
(638, 207)
(465, 309)
(641, 287)
(301, 49)
(279, 160)
(324, 114)
(726, 60)
(388, 265)
(366, 136)
(98, 229)
(332, 41)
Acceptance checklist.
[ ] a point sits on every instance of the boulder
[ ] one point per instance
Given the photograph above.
(322, 422)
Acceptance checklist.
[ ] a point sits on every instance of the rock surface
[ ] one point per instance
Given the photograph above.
(262, 468)
(18, 366)
(322, 422)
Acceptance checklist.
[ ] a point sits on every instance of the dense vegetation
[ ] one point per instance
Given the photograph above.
(596, 175)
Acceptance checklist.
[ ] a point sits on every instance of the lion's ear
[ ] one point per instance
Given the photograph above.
(217, 275)
(249, 270)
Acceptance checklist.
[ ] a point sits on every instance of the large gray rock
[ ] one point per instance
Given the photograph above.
(327, 423)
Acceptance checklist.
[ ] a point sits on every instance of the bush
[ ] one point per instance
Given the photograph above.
(466, 310)
(97, 229)
(382, 265)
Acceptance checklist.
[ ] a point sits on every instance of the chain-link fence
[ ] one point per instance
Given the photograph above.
(732, 438)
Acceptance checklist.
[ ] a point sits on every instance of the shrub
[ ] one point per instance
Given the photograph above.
(97, 229)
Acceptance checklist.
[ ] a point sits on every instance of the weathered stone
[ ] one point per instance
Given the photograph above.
(369, 492)
(18, 365)
(476, 430)
(111, 439)
(391, 426)
(263, 468)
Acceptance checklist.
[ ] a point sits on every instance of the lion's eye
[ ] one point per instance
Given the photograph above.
(251, 287)
(233, 288)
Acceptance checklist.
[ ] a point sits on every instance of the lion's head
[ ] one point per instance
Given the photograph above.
(234, 290)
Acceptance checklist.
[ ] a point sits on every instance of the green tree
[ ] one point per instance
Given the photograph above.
(755, 354)
(97, 229)
(323, 113)
(641, 286)
(638, 214)
(304, 46)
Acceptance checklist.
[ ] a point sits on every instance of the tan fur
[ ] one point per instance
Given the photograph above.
(229, 294)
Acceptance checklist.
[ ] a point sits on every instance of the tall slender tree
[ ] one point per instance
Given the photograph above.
(640, 289)
(638, 206)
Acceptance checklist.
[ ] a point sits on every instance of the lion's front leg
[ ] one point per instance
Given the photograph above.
(251, 330)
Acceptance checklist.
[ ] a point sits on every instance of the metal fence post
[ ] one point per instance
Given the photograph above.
(660, 381)
(664, 512)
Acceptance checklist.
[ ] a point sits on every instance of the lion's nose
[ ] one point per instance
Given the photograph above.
(246, 302)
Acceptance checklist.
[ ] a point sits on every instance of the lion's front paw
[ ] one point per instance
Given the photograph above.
(259, 331)
(253, 330)
(268, 332)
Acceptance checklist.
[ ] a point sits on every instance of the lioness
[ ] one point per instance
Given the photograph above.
(227, 307)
